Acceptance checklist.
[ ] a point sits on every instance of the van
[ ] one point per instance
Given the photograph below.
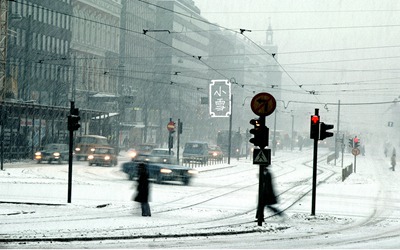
(85, 145)
(195, 151)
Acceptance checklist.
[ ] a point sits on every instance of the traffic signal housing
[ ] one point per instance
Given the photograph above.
(73, 120)
(351, 143)
(260, 132)
(324, 133)
(314, 129)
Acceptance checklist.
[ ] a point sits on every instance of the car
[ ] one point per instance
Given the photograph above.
(103, 156)
(161, 172)
(85, 144)
(141, 149)
(53, 152)
(215, 152)
(195, 151)
(161, 155)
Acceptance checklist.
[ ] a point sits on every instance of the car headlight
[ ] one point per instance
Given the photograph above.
(192, 171)
(77, 149)
(107, 157)
(165, 171)
(92, 149)
(56, 154)
(215, 154)
(38, 153)
(90, 157)
(132, 154)
(165, 160)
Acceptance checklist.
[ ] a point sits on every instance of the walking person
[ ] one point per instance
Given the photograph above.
(143, 189)
(393, 159)
(270, 198)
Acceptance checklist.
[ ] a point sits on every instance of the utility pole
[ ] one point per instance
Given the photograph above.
(230, 132)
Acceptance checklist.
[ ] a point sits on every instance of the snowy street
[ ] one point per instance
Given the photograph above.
(216, 211)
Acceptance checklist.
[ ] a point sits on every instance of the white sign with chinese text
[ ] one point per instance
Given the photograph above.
(220, 98)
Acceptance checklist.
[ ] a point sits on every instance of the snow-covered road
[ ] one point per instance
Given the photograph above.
(216, 211)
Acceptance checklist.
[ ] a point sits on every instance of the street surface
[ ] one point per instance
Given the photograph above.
(216, 211)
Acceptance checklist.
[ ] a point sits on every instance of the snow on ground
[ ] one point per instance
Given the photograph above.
(372, 191)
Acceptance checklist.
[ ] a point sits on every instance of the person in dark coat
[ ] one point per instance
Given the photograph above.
(269, 194)
(142, 195)
(269, 197)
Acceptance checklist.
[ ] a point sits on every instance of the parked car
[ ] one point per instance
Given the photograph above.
(215, 152)
(195, 151)
(103, 156)
(53, 152)
(141, 149)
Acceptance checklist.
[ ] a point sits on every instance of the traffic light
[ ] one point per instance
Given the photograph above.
(180, 127)
(73, 120)
(314, 130)
(324, 131)
(351, 143)
(260, 132)
(356, 142)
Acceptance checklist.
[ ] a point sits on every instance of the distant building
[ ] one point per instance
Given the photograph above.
(38, 51)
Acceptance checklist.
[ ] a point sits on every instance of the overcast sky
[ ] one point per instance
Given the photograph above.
(344, 50)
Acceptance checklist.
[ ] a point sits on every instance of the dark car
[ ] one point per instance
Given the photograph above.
(195, 151)
(103, 156)
(161, 155)
(142, 150)
(215, 152)
(53, 152)
(161, 172)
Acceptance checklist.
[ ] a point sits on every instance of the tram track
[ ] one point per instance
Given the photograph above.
(243, 216)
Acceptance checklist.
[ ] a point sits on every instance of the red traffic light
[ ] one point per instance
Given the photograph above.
(315, 119)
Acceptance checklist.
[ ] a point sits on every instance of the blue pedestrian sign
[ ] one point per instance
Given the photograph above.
(220, 98)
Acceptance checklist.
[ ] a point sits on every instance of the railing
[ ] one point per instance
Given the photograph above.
(211, 161)
(347, 171)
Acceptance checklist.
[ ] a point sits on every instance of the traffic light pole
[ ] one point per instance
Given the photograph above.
(260, 206)
(314, 182)
(70, 156)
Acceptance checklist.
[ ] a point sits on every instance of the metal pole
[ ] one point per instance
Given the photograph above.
(314, 182)
(230, 132)
(260, 206)
(71, 143)
(177, 140)
(274, 139)
(291, 141)
(337, 132)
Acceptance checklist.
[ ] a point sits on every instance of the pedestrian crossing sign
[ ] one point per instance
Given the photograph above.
(262, 156)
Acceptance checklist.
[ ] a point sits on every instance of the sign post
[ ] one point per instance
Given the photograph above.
(171, 130)
(262, 104)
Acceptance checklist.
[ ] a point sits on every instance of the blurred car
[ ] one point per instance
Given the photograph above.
(215, 152)
(161, 172)
(103, 156)
(53, 152)
(161, 155)
(141, 149)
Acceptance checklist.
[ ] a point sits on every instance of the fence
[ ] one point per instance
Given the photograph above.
(211, 161)
(347, 171)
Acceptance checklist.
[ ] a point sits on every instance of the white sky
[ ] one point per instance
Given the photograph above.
(344, 50)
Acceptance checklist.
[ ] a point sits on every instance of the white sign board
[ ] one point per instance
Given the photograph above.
(220, 98)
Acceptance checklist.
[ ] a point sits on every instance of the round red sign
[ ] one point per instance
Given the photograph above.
(171, 126)
(263, 104)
